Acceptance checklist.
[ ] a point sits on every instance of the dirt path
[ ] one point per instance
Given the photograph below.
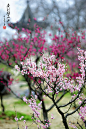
(10, 124)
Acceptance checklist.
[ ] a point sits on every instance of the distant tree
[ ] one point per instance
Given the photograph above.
(4, 81)
(72, 14)
(28, 21)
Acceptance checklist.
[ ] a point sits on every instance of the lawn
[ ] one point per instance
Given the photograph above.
(11, 104)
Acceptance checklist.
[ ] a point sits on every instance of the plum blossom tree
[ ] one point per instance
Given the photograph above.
(66, 48)
(19, 49)
(52, 81)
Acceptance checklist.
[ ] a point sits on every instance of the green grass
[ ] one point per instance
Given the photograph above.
(23, 85)
(22, 103)
(12, 114)
(20, 78)
(8, 69)
(5, 68)
(79, 128)
(67, 95)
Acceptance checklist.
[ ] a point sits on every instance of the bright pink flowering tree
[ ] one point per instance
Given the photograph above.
(65, 47)
(17, 50)
(33, 44)
(52, 81)
(12, 53)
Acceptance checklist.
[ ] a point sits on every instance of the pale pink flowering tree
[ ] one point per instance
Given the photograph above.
(17, 119)
(16, 52)
(83, 113)
(55, 82)
(20, 49)
(36, 114)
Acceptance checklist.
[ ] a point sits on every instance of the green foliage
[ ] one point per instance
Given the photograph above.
(84, 92)
(37, 101)
(44, 68)
(68, 71)
(12, 115)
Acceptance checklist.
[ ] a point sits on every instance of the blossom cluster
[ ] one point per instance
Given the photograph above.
(64, 47)
(21, 47)
(19, 118)
(26, 127)
(82, 59)
(54, 76)
(72, 125)
(33, 105)
(83, 113)
(51, 74)
(36, 115)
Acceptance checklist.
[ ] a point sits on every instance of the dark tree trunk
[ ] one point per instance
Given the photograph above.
(62, 115)
(65, 122)
(45, 113)
(3, 109)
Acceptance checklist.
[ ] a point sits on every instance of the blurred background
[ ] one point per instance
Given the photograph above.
(72, 14)
(56, 17)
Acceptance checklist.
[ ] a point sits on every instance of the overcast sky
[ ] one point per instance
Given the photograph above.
(17, 8)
